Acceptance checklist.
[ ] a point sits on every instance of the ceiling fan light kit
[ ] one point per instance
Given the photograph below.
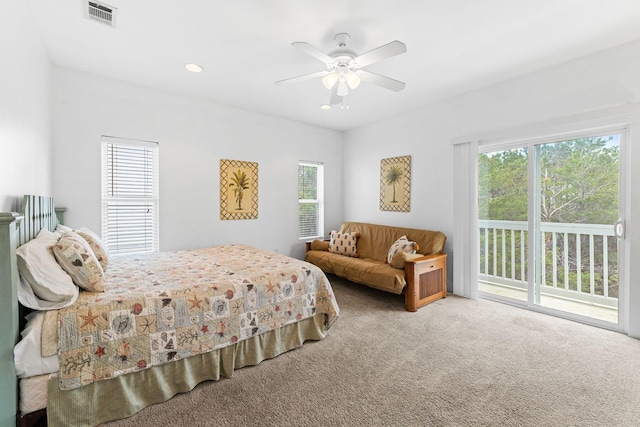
(353, 80)
(342, 87)
(345, 68)
(329, 80)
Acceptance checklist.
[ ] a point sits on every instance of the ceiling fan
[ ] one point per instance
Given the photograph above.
(345, 68)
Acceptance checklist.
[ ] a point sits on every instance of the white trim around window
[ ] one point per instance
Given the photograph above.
(130, 202)
(310, 200)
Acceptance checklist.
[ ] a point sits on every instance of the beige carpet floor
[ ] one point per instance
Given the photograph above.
(456, 362)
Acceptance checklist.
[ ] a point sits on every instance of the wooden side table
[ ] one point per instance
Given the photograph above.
(426, 280)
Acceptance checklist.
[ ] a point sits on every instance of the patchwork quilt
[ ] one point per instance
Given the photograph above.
(161, 307)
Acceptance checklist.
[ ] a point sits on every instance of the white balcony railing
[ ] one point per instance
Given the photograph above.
(579, 260)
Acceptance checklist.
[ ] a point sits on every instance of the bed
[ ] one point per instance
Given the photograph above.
(164, 323)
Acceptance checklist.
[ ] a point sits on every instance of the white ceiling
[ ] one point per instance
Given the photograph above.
(453, 46)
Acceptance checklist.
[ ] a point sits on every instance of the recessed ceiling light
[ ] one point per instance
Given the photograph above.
(326, 107)
(194, 68)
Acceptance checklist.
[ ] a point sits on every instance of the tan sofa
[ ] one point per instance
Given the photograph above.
(422, 280)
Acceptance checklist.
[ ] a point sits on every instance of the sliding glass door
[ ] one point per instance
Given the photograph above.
(546, 214)
(503, 222)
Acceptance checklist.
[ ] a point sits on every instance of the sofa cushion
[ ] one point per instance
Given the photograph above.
(399, 246)
(376, 274)
(344, 243)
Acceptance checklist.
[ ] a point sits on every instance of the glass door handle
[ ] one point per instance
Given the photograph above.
(619, 229)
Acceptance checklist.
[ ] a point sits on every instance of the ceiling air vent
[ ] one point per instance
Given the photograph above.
(101, 12)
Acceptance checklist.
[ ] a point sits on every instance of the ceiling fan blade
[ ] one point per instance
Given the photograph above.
(385, 51)
(302, 78)
(382, 81)
(314, 51)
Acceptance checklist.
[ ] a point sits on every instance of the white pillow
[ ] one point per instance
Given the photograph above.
(61, 229)
(401, 245)
(30, 300)
(26, 354)
(39, 267)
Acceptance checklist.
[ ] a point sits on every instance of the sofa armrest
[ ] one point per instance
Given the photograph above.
(426, 280)
(308, 244)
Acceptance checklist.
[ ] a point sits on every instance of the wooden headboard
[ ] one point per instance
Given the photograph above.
(16, 229)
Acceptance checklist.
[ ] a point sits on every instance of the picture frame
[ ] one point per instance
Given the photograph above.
(395, 184)
(238, 189)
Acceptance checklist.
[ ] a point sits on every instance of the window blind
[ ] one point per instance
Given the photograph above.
(310, 200)
(130, 195)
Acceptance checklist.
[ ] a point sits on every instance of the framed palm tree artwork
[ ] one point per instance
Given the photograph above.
(395, 184)
(238, 189)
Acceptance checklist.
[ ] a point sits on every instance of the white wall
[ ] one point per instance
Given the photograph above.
(25, 129)
(564, 94)
(193, 136)
(25, 159)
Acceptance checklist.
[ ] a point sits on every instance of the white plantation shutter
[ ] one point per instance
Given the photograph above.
(129, 195)
(310, 200)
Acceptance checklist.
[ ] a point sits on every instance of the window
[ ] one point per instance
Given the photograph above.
(310, 200)
(129, 195)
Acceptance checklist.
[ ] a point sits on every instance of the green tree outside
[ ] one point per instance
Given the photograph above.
(579, 184)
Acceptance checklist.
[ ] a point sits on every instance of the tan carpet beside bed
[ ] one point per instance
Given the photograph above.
(456, 362)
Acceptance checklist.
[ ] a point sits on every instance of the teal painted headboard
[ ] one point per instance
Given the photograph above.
(16, 229)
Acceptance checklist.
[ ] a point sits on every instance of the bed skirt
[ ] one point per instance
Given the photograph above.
(125, 395)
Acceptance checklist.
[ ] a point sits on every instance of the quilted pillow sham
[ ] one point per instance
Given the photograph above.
(401, 245)
(76, 258)
(97, 246)
(344, 243)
